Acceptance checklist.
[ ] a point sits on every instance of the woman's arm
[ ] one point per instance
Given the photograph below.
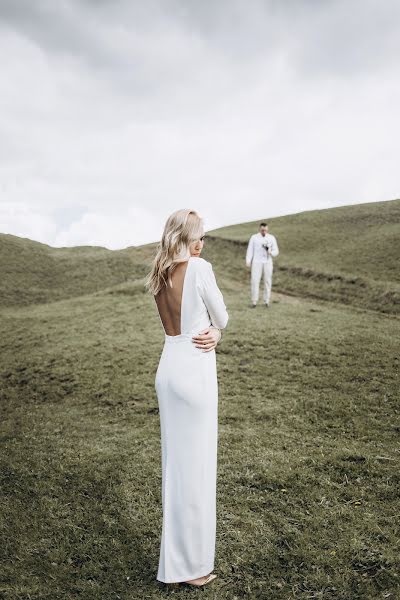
(208, 339)
(213, 299)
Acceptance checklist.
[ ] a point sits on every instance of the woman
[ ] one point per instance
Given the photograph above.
(192, 313)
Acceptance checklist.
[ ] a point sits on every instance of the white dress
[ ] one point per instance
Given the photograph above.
(187, 391)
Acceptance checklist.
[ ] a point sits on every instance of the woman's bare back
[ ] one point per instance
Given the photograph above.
(169, 301)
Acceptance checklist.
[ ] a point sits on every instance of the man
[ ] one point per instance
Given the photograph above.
(261, 250)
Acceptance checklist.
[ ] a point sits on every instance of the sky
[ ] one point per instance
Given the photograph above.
(115, 113)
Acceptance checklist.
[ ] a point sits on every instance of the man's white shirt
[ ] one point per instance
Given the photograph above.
(256, 251)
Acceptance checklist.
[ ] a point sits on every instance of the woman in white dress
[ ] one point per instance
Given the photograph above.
(192, 313)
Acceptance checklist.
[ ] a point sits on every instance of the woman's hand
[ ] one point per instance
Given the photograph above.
(207, 339)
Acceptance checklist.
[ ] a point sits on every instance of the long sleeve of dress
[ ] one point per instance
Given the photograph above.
(250, 251)
(212, 297)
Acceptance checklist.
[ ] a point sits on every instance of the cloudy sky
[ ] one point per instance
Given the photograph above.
(114, 113)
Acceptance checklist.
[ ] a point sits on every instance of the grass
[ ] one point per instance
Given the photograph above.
(359, 240)
(348, 254)
(308, 473)
(33, 273)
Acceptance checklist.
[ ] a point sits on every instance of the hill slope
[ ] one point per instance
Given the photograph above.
(308, 472)
(351, 240)
(348, 254)
(32, 272)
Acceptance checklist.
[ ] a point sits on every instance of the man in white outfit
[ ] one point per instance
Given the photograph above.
(262, 248)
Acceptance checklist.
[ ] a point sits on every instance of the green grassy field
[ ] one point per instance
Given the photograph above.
(349, 254)
(308, 469)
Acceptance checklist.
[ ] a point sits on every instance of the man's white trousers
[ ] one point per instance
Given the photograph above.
(257, 270)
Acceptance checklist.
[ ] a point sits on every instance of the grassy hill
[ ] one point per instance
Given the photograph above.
(32, 272)
(308, 461)
(348, 254)
(360, 240)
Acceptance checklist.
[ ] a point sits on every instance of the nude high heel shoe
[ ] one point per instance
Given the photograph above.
(210, 578)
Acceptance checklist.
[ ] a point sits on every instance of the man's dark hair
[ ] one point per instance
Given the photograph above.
(263, 224)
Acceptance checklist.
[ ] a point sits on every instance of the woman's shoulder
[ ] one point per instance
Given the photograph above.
(200, 262)
(201, 266)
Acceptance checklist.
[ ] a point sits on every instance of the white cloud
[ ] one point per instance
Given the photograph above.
(120, 229)
(112, 115)
(19, 219)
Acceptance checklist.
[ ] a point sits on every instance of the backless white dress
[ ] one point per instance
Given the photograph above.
(187, 392)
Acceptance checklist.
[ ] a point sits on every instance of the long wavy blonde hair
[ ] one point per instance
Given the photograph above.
(182, 228)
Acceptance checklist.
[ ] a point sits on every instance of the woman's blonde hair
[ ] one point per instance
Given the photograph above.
(182, 228)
